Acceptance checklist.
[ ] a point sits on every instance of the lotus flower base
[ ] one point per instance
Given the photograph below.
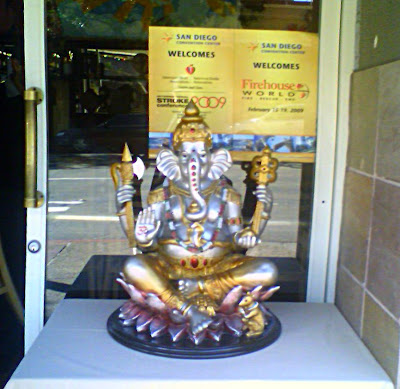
(176, 342)
(241, 323)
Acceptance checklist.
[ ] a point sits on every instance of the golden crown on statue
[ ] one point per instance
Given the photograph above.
(191, 128)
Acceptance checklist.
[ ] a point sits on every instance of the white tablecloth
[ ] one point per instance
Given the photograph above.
(317, 349)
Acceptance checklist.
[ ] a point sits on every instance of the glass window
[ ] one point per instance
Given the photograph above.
(98, 100)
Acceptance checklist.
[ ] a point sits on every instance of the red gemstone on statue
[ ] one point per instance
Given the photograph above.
(193, 167)
(194, 262)
(193, 173)
(192, 130)
(183, 262)
(205, 262)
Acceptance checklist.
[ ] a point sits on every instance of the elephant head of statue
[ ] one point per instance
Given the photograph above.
(192, 165)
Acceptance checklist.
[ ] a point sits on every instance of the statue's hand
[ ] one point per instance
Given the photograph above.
(264, 194)
(124, 194)
(146, 226)
(188, 286)
(246, 239)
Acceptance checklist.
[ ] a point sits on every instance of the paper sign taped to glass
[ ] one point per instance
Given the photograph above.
(246, 82)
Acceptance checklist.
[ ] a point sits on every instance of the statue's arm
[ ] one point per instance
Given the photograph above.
(234, 221)
(233, 217)
(123, 195)
(264, 195)
(244, 237)
(148, 226)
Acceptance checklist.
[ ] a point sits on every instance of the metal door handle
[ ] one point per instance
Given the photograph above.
(33, 198)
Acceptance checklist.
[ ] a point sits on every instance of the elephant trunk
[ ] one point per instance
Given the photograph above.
(198, 208)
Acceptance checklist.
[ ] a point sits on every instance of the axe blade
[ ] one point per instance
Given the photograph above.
(138, 168)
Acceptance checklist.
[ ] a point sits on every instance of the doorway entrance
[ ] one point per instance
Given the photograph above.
(95, 97)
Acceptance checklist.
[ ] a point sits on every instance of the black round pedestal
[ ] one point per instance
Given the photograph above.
(228, 346)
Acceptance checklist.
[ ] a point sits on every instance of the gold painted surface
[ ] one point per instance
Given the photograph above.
(233, 197)
(263, 171)
(215, 244)
(154, 272)
(191, 128)
(32, 198)
(263, 168)
(155, 196)
(207, 272)
(195, 231)
(252, 316)
(125, 171)
(182, 192)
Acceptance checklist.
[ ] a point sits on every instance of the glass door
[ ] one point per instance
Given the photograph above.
(36, 167)
(12, 212)
(95, 100)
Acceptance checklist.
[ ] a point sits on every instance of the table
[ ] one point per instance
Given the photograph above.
(317, 349)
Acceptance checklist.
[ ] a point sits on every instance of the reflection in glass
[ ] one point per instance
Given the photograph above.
(98, 100)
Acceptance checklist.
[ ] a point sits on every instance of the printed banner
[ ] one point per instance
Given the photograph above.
(244, 81)
(275, 85)
(190, 63)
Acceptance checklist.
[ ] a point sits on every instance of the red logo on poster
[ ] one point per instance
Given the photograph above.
(253, 46)
(190, 69)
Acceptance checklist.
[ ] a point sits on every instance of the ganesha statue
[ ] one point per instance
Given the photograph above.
(190, 278)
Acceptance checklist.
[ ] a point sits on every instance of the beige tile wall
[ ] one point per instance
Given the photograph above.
(368, 278)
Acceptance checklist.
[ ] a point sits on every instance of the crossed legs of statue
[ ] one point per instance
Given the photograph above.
(146, 274)
(247, 272)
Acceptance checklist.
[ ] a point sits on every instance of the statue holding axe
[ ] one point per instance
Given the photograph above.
(122, 174)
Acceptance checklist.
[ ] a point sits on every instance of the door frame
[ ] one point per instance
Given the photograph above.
(347, 64)
(337, 59)
(329, 163)
(328, 73)
(35, 76)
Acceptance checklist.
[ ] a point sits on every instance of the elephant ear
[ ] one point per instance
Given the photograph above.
(221, 161)
(167, 164)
